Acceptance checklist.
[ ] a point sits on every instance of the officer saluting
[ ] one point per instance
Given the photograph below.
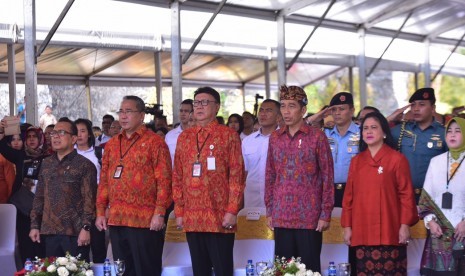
(343, 139)
(421, 139)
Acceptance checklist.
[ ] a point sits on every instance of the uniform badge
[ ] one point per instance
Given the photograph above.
(349, 150)
(429, 145)
(439, 144)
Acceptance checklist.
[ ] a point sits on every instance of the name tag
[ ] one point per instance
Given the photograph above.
(211, 165)
(197, 169)
(118, 172)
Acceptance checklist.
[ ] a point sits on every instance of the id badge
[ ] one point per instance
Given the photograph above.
(118, 172)
(211, 165)
(30, 171)
(447, 200)
(197, 169)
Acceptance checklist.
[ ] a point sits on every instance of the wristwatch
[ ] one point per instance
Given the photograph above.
(86, 227)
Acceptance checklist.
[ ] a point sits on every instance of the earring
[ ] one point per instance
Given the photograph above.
(384, 137)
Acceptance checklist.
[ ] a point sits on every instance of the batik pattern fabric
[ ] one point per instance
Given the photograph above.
(65, 196)
(144, 187)
(444, 254)
(299, 186)
(202, 201)
(381, 260)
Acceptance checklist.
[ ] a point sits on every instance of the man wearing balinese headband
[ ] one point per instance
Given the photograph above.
(442, 205)
(299, 191)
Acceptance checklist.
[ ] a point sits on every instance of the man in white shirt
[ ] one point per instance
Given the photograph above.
(47, 118)
(107, 120)
(171, 137)
(255, 151)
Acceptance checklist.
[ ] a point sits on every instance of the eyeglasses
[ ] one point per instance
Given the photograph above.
(203, 102)
(61, 133)
(126, 112)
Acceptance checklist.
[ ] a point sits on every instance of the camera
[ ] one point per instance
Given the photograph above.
(154, 109)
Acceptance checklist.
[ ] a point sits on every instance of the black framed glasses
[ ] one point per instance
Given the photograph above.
(59, 133)
(203, 102)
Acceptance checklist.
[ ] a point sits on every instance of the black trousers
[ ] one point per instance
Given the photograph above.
(353, 260)
(211, 250)
(27, 248)
(140, 248)
(339, 193)
(303, 243)
(97, 244)
(58, 245)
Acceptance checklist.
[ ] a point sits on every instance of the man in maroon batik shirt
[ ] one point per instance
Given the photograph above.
(299, 192)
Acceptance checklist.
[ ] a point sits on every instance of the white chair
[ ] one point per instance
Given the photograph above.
(254, 240)
(176, 256)
(7, 239)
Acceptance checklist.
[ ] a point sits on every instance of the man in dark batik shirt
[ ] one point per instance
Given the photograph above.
(64, 205)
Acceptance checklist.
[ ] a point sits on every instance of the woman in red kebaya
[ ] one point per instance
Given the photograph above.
(379, 204)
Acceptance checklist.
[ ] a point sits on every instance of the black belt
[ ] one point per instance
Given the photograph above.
(339, 186)
(418, 191)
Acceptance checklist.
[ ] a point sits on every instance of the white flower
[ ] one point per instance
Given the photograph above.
(62, 271)
(51, 268)
(89, 273)
(301, 266)
(315, 274)
(288, 274)
(301, 273)
(71, 267)
(73, 260)
(62, 261)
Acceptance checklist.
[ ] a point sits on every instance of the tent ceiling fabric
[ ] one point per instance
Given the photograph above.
(122, 48)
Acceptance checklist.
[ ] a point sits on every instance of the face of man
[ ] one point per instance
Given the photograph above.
(268, 114)
(62, 138)
(205, 108)
(115, 128)
(292, 112)
(248, 120)
(184, 111)
(106, 123)
(48, 110)
(342, 114)
(422, 111)
(129, 117)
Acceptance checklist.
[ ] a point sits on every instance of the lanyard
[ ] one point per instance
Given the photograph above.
(200, 149)
(121, 155)
(447, 173)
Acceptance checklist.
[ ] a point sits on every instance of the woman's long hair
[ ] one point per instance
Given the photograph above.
(239, 119)
(389, 140)
(88, 124)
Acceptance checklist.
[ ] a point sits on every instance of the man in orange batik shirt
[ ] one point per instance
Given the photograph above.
(135, 185)
(208, 186)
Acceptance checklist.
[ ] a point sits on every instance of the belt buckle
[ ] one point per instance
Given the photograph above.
(418, 191)
(339, 186)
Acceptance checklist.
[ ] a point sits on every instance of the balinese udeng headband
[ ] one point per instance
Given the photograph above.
(293, 93)
(457, 151)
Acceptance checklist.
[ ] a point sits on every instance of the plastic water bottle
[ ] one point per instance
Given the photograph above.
(332, 269)
(250, 269)
(107, 268)
(28, 265)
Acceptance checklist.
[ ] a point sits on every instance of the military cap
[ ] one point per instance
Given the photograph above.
(426, 93)
(342, 98)
(293, 93)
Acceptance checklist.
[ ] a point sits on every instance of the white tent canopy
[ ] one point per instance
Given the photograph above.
(121, 42)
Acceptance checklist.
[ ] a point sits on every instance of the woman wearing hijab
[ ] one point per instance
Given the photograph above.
(442, 205)
(379, 205)
(27, 162)
(7, 169)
